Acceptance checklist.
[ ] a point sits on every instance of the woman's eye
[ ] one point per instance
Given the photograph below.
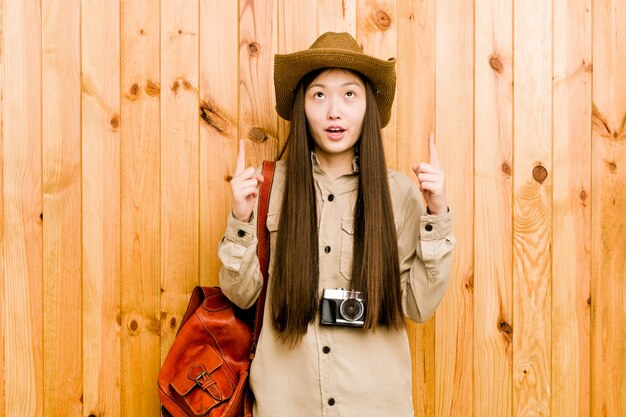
(350, 94)
(318, 94)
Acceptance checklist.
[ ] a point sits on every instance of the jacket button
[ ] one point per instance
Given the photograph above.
(331, 197)
(331, 401)
(326, 349)
(327, 249)
(428, 227)
(241, 233)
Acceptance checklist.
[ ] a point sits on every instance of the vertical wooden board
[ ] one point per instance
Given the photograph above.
(62, 252)
(454, 135)
(493, 227)
(335, 16)
(376, 33)
(571, 211)
(140, 207)
(415, 104)
(257, 46)
(22, 224)
(101, 207)
(180, 160)
(2, 300)
(608, 240)
(532, 217)
(219, 33)
(297, 30)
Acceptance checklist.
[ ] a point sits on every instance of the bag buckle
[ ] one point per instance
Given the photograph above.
(208, 384)
(203, 378)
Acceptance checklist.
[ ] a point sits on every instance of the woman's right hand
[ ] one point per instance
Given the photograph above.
(244, 186)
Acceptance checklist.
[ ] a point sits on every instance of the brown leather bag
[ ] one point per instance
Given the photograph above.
(206, 369)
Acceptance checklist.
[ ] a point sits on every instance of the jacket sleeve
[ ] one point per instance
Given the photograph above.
(240, 274)
(425, 244)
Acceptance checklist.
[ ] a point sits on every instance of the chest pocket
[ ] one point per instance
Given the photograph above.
(347, 246)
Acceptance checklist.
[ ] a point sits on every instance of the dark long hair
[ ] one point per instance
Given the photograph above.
(375, 266)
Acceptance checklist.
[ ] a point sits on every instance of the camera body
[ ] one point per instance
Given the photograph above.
(342, 308)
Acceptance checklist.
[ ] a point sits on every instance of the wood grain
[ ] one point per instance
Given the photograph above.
(415, 104)
(2, 299)
(62, 251)
(454, 134)
(571, 221)
(179, 163)
(532, 216)
(493, 230)
(257, 45)
(23, 208)
(377, 32)
(296, 33)
(101, 207)
(140, 208)
(335, 16)
(608, 211)
(218, 127)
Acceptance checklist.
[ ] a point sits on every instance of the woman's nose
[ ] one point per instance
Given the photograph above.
(333, 111)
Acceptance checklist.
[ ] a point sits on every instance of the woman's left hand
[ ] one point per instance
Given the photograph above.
(431, 180)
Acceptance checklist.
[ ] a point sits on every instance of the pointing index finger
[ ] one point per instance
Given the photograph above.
(241, 158)
(432, 150)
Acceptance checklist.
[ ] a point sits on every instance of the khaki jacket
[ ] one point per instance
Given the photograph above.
(340, 371)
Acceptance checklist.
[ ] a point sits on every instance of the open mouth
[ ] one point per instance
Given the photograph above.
(335, 132)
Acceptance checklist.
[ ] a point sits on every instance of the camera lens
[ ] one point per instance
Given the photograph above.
(351, 309)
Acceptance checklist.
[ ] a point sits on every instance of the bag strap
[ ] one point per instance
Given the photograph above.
(263, 247)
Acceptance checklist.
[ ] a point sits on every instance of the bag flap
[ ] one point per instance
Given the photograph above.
(190, 376)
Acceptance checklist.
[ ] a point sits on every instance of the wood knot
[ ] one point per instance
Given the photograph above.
(173, 322)
(469, 284)
(187, 85)
(496, 64)
(540, 173)
(175, 87)
(212, 117)
(589, 301)
(115, 121)
(152, 89)
(505, 327)
(382, 19)
(583, 195)
(133, 325)
(41, 216)
(142, 32)
(134, 92)
(257, 134)
(612, 166)
(506, 168)
(228, 178)
(253, 48)
(587, 66)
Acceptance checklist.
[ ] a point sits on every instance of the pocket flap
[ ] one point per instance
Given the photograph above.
(347, 224)
(272, 222)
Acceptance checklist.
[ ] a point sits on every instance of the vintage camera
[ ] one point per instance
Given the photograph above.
(342, 308)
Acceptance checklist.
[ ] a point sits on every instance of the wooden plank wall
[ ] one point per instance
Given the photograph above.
(120, 121)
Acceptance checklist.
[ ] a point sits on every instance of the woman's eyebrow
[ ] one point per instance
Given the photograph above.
(346, 84)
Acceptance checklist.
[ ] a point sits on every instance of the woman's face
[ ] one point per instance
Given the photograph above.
(335, 107)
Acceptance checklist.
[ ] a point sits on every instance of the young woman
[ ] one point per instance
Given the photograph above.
(353, 250)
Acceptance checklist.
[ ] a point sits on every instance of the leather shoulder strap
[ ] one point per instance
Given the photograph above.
(263, 246)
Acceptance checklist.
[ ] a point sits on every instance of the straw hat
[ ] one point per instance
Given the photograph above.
(333, 50)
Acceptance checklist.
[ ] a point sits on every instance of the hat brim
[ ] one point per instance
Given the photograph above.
(290, 68)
